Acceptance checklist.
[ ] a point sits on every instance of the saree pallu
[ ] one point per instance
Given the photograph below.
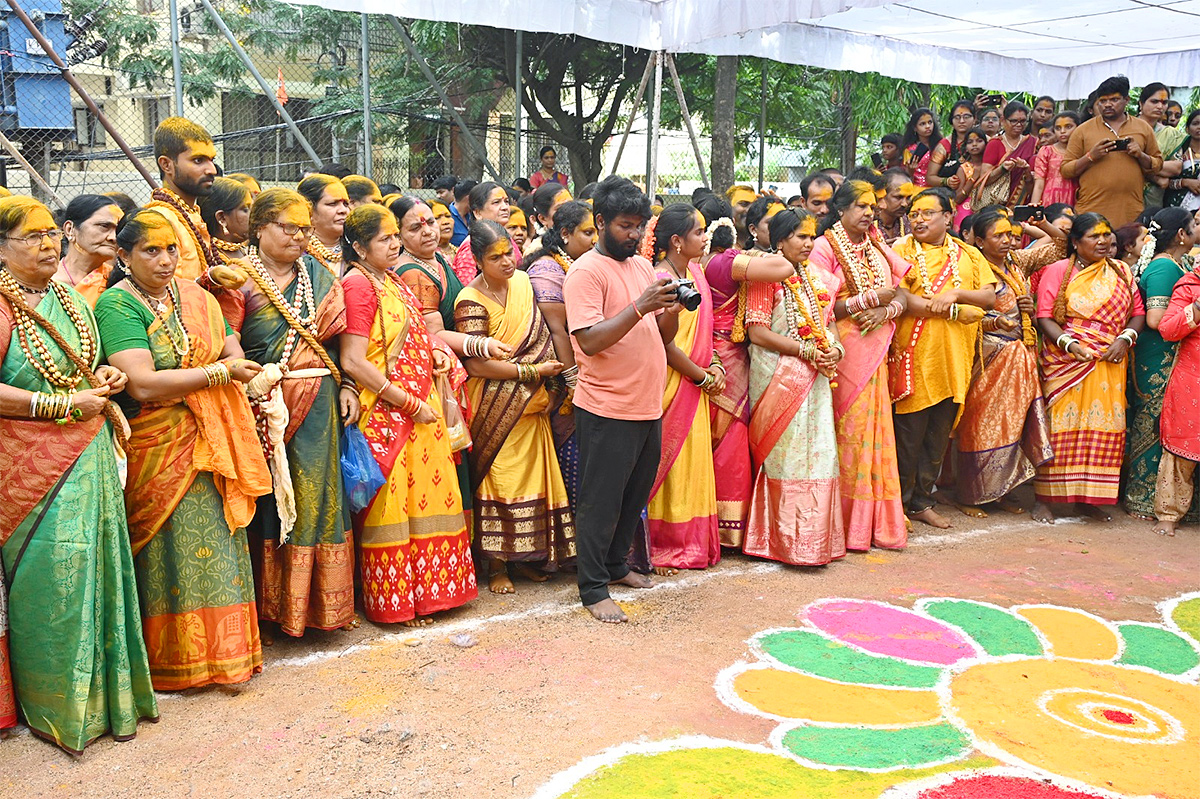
(308, 581)
(795, 510)
(1153, 359)
(729, 411)
(414, 550)
(196, 470)
(1086, 399)
(521, 508)
(1003, 434)
(869, 474)
(78, 663)
(682, 512)
(1019, 180)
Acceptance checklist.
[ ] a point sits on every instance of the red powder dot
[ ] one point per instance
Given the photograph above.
(1118, 716)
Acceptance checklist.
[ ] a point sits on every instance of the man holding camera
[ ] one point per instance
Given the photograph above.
(620, 319)
(1112, 155)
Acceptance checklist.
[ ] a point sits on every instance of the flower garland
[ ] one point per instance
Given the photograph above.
(863, 263)
(804, 306)
(953, 252)
(713, 227)
(562, 259)
(304, 312)
(646, 246)
(29, 336)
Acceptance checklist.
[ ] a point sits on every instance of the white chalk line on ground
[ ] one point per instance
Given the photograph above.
(567, 601)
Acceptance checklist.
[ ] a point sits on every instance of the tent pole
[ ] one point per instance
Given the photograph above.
(176, 67)
(368, 166)
(415, 54)
(262, 83)
(762, 126)
(34, 175)
(70, 78)
(655, 124)
(687, 119)
(519, 159)
(637, 103)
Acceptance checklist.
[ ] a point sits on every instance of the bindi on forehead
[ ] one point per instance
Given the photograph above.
(927, 203)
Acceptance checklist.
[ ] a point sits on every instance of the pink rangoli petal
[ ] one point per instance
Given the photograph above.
(887, 630)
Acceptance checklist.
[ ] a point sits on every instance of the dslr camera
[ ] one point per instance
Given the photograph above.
(685, 291)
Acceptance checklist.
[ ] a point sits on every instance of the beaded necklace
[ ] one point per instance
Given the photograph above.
(804, 305)
(953, 251)
(181, 344)
(305, 309)
(206, 253)
(227, 246)
(328, 256)
(29, 336)
(863, 263)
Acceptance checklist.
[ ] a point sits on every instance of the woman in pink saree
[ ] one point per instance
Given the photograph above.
(727, 271)
(851, 250)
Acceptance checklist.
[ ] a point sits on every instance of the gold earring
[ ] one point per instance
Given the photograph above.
(678, 249)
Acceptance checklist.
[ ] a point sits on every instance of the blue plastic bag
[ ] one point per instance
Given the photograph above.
(360, 471)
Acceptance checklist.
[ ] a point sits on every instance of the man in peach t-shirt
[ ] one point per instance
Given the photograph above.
(620, 319)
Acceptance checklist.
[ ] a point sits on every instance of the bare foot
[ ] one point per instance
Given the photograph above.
(932, 518)
(531, 573)
(1165, 528)
(907, 524)
(971, 510)
(353, 624)
(1041, 513)
(499, 583)
(418, 622)
(634, 580)
(607, 611)
(1010, 505)
(264, 635)
(1100, 513)
(665, 571)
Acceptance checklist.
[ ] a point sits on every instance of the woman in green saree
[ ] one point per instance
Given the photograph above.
(78, 660)
(301, 533)
(1173, 233)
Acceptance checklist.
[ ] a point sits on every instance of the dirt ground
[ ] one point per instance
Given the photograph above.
(388, 711)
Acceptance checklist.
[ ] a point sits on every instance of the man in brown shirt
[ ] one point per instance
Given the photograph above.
(1111, 155)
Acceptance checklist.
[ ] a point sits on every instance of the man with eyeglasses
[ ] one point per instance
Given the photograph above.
(1112, 155)
(186, 155)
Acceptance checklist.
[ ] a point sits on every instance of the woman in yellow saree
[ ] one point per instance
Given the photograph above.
(1090, 314)
(78, 659)
(522, 515)
(195, 466)
(682, 513)
(414, 552)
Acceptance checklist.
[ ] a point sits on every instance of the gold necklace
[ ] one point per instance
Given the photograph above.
(29, 335)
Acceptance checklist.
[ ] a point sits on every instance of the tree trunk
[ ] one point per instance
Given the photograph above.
(849, 129)
(724, 123)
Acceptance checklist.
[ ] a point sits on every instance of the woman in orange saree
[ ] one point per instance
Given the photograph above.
(682, 512)
(414, 551)
(850, 249)
(195, 465)
(795, 511)
(1090, 314)
(727, 270)
(523, 519)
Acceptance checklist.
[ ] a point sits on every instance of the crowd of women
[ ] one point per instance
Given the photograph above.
(184, 390)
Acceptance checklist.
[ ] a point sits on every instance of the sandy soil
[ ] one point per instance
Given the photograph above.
(387, 711)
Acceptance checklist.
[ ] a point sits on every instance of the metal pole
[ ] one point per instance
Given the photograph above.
(176, 67)
(519, 160)
(637, 103)
(368, 167)
(762, 126)
(262, 83)
(48, 49)
(415, 54)
(34, 175)
(687, 119)
(655, 124)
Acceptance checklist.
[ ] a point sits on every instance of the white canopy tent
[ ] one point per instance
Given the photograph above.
(1039, 46)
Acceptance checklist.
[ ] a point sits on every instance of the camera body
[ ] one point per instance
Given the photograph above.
(1121, 144)
(685, 291)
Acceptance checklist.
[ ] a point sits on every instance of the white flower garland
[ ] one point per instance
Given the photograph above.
(714, 226)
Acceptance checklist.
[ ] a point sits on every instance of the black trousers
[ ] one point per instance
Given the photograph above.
(617, 463)
(921, 440)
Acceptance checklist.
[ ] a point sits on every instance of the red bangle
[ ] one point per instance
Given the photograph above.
(640, 315)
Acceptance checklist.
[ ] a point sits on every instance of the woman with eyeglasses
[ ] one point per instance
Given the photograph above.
(414, 551)
(950, 152)
(196, 468)
(1007, 178)
(294, 310)
(73, 626)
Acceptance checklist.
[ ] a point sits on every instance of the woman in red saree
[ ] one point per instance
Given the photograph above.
(196, 468)
(1181, 406)
(682, 513)
(867, 272)
(1090, 314)
(795, 511)
(414, 552)
(727, 270)
(1007, 178)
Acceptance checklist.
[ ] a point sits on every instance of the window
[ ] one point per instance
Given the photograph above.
(155, 110)
(88, 130)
